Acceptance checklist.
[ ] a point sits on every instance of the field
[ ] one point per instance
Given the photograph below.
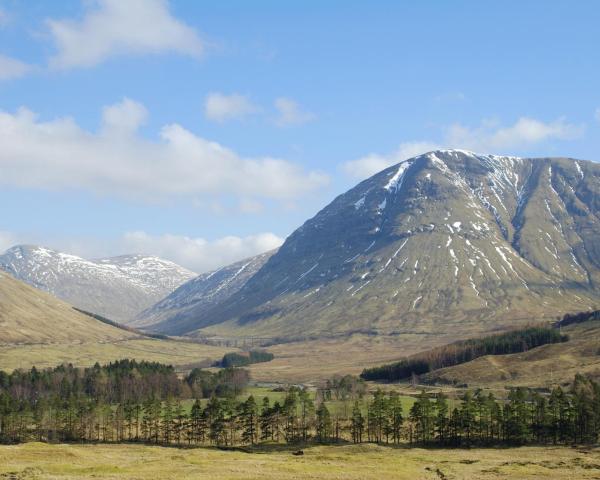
(41, 461)
(83, 354)
(314, 361)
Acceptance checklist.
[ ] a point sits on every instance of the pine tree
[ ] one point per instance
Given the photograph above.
(323, 423)
(396, 419)
(307, 409)
(249, 420)
(265, 421)
(441, 418)
(357, 423)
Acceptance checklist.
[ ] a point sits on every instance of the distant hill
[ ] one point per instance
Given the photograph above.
(447, 242)
(118, 287)
(28, 315)
(177, 313)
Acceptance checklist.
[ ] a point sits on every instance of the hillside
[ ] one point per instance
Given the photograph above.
(541, 367)
(450, 242)
(176, 313)
(117, 287)
(38, 329)
(28, 316)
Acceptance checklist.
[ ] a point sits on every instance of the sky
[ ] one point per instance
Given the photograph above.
(206, 132)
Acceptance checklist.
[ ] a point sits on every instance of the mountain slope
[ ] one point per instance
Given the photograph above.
(117, 288)
(28, 315)
(176, 312)
(447, 242)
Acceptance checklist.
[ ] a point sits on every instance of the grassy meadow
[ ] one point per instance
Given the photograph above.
(183, 355)
(70, 462)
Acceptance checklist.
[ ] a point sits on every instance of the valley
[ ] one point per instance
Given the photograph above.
(299, 240)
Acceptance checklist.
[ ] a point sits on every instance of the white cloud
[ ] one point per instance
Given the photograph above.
(597, 114)
(488, 137)
(370, 164)
(13, 68)
(59, 154)
(290, 113)
(117, 27)
(124, 117)
(219, 107)
(199, 254)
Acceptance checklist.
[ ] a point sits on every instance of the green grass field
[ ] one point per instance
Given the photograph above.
(365, 462)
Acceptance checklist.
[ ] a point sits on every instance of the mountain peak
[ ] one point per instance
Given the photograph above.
(447, 239)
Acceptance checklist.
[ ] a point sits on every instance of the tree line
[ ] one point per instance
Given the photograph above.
(300, 417)
(581, 317)
(464, 351)
(118, 382)
(243, 359)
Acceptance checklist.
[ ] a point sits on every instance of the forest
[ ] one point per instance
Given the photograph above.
(144, 402)
(464, 351)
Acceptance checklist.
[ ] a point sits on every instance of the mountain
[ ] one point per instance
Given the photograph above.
(117, 287)
(177, 312)
(28, 315)
(447, 242)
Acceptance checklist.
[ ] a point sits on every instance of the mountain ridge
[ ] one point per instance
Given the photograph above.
(116, 287)
(199, 294)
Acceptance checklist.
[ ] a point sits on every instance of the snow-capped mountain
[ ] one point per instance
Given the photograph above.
(118, 288)
(448, 241)
(198, 295)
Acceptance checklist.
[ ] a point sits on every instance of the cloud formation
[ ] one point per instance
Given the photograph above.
(199, 254)
(219, 107)
(370, 164)
(116, 27)
(12, 68)
(290, 113)
(59, 154)
(597, 114)
(488, 137)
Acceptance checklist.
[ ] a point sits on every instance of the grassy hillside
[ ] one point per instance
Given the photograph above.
(514, 341)
(128, 462)
(28, 315)
(543, 366)
(38, 329)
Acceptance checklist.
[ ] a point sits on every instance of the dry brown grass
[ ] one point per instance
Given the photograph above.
(313, 361)
(128, 462)
(28, 315)
(544, 366)
(182, 354)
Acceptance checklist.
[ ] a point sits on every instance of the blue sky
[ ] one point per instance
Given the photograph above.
(208, 131)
